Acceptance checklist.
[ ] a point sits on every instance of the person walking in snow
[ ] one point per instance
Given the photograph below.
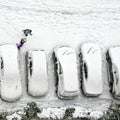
(24, 40)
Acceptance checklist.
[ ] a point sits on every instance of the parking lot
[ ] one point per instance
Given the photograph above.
(58, 23)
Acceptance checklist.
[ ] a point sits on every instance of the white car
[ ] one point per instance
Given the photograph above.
(113, 59)
(91, 69)
(11, 86)
(66, 64)
(37, 73)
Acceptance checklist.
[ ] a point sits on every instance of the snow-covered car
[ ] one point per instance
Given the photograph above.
(67, 74)
(91, 69)
(113, 60)
(37, 74)
(11, 86)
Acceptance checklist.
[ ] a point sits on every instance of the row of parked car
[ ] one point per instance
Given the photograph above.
(66, 68)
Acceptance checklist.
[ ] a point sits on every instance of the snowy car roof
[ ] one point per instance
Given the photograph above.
(91, 56)
(11, 88)
(66, 57)
(38, 80)
(115, 59)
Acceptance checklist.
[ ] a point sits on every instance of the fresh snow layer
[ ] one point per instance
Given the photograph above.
(91, 57)
(68, 85)
(14, 116)
(59, 113)
(37, 78)
(114, 53)
(11, 88)
(56, 22)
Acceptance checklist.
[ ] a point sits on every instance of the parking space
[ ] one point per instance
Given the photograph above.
(91, 69)
(10, 86)
(37, 74)
(66, 69)
(113, 60)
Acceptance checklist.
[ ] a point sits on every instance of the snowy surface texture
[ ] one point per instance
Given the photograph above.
(68, 83)
(11, 88)
(92, 69)
(59, 22)
(115, 61)
(37, 73)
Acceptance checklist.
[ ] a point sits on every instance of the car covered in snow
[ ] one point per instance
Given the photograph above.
(67, 74)
(113, 60)
(91, 69)
(37, 74)
(11, 86)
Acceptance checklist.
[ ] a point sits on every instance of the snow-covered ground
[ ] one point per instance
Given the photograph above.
(59, 22)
